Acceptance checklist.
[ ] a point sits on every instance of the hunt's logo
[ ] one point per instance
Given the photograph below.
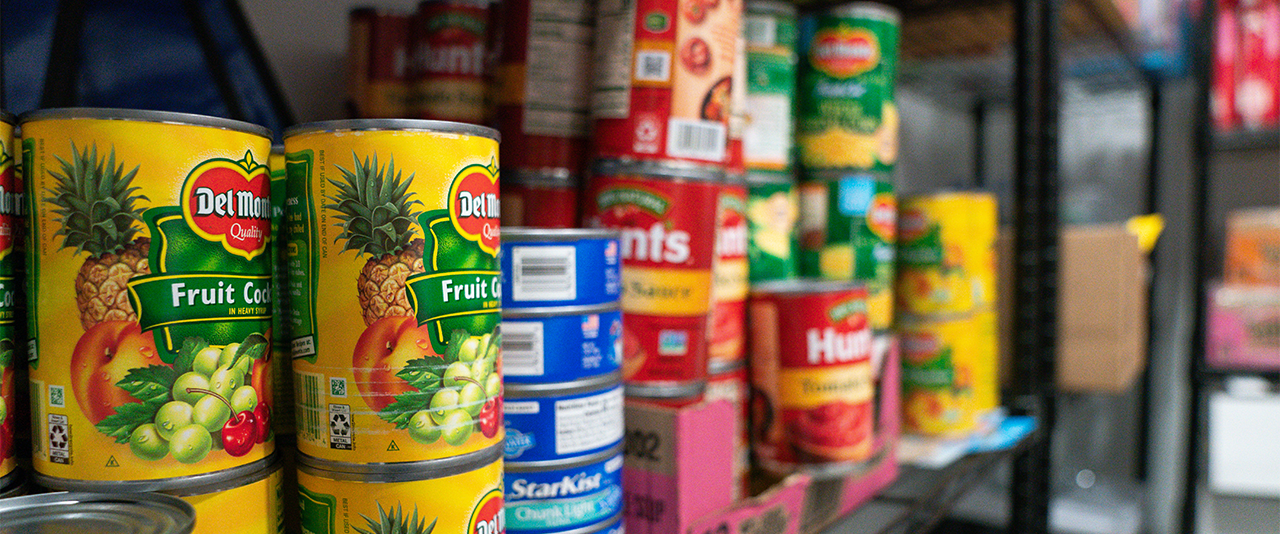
(882, 216)
(229, 202)
(487, 517)
(844, 52)
(473, 205)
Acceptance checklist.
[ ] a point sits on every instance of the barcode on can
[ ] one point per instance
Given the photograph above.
(544, 273)
(696, 139)
(311, 415)
(653, 66)
(522, 349)
(761, 31)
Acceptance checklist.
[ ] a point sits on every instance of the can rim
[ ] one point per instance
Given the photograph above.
(770, 7)
(420, 125)
(154, 485)
(141, 115)
(659, 169)
(180, 514)
(597, 527)
(277, 148)
(716, 368)
(274, 463)
(401, 471)
(590, 384)
(553, 175)
(529, 234)
(804, 286)
(13, 482)
(869, 10)
(560, 311)
(8, 118)
(829, 470)
(763, 176)
(668, 390)
(541, 466)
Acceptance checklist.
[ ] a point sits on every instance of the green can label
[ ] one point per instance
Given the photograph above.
(771, 88)
(772, 211)
(849, 229)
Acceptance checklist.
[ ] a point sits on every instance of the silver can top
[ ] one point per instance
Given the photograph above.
(408, 125)
(84, 513)
(137, 115)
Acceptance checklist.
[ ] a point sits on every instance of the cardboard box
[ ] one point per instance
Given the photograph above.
(1243, 324)
(1252, 255)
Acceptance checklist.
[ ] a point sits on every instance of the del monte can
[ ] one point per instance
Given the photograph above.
(150, 293)
(12, 208)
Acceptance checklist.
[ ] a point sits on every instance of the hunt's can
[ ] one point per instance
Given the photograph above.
(407, 212)
(667, 253)
(848, 69)
(770, 29)
(947, 261)
(948, 373)
(812, 376)
(550, 424)
(449, 40)
(152, 513)
(377, 62)
(664, 78)
(281, 363)
(546, 198)
(457, 497)
(543, 87)
(583, 496)
(726, 332)
(559, 268)
(13, 207)
(561, 345)
(169, 278)
(733, 386)
(773, 208)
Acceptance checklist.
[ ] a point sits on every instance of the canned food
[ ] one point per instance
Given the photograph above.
(544, 84)
(170, 376)
(563, 345)
(540, 199)
(13, 484)
(554, 268)
(848, 68)
(449, 40)
(667, 254)
(948, 373)
(585, 496)
(377, 56)
(281, 362)
(726, 335)
(12, 212)
(732, 385)
(460, 497)
(948, 262)
(813, 383)
(735, 158)
(147, 513)
(664, 78)
(773, 207)
(416, 203)
(771, 84)
(550, 424)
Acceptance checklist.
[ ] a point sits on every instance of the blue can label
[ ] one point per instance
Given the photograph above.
(564, 499)
(561, 427)
(583, 272)
(561, 348)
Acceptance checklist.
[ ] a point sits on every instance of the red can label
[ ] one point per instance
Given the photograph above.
(664, 78)
(811, 367)
(667, 253)
(727, 332)
(733, 387)
(377, 56)
(539, 206)
(1257, 95)
(449, 39)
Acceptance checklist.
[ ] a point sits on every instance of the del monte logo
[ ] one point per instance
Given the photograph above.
(487, 517)
(473, 205)
(882, 216)
(845, 52)
(229, 202)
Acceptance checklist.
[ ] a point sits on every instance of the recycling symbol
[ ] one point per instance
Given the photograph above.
(339, 425)
(58, 437)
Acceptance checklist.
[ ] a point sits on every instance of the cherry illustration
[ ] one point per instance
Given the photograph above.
(240, 432)
(490, 412)
(263, 415)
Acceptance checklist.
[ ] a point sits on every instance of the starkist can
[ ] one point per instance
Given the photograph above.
(150, 311)
(551, 269)
(13, 208)
(546, 198)
(668, 249)
(582, 496)
(561, 345)
(550, 424)
(394, 222)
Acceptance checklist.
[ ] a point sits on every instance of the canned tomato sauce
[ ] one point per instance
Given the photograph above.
(948, 258)
(377, 61)
(543, 87)
(667, 254)
(393, 225)
(559, 268)
(449, 40)
(169, 371)
(451, 497)
(848, 69)
(151, 513)
(773, 208)
(812, 376)
(726, 335)
(557, 423)
(13, 207)
(770, 29)
(562, 345)
(948, 373)
(583, 496)
(545, 198)
(664, 78)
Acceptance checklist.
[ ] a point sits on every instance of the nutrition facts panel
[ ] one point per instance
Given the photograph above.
(589, 423)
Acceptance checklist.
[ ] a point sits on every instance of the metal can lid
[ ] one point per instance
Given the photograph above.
(8, 118)
(124, 513)
(719, 368)
(560, 311)
(755, 177)
(419, 125)
(562, 389)
(804, 286)
(138, 115)
(525, 234)
(565, 463)
(551, 176)
(269, 466)
(401, 471)
(668, 391)
(212, 478)
(277, 148)
(770, 7)
(867, 10)
(659, 169)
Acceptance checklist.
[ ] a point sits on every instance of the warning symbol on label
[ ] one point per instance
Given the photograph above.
(111, 462)
(392, 446)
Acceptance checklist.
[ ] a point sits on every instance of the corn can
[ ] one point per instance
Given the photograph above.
(407, 212)
(543, 88)
(667, 256)
(546, 198)
(13, 208)
(664, 78)
(465, 498)
(170, 371)
(726, 335)
(812, 377)
(949, 369)
(151, 513)
(449, 39)
(771, 84)
(847, 116)
(773, 208)
(377, 61)
(281, 362)
(947, 257)
(733, 386)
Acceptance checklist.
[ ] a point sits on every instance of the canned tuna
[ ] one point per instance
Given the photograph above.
(582, 497)
(773, 207)
(563, 345)
(540, 199)
(550, 424)
(562, 267)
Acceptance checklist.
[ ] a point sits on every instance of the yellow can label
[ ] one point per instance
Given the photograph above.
(947, 253)
(150, 298)
(282, 368)
(395, 293)
(469, 503)
(949, 373)
(12, 208)
(254, 508)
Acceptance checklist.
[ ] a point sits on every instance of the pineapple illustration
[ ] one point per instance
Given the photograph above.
(394, 521)
(377, 219)
(96, 212)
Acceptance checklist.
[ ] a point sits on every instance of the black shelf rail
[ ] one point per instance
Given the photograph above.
(1247, 140)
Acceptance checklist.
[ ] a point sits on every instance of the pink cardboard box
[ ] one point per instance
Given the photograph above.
(1243, 327)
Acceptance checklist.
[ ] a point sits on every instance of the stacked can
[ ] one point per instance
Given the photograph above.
(449, 43)
(562, 343)
(946, 291)
(377, 63)
(399, 415)
(12, 332)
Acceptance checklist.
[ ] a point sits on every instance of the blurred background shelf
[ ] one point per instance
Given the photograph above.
(1247, 140)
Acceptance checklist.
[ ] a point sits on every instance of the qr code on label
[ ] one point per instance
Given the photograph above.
(337, 387)
(57, 397)
(653, 66)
